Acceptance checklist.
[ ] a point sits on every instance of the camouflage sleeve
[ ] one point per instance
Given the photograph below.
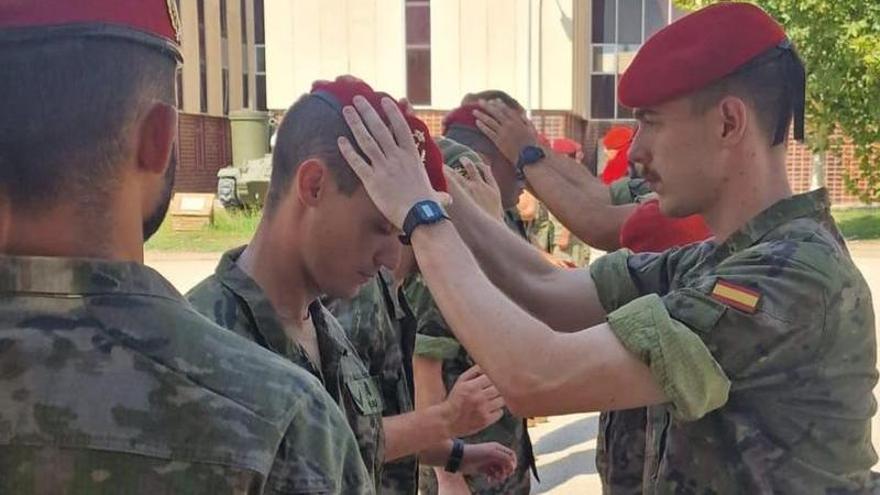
(429, 320)
(319, 453)
(680, 362)
(628, 190)
(439, 348)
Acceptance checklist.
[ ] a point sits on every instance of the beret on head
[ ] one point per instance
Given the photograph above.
(341, 92)
(154, 23)
(565, 146)
(618, 137)
(462, 116)
(649, 230)
(697, 50)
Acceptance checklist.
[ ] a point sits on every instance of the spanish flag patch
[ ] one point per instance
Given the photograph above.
(736, 296)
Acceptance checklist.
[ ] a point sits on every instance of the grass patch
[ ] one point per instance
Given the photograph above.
(858, 223)
(230, 229)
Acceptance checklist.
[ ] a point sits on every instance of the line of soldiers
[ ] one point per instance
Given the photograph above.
(362, 333)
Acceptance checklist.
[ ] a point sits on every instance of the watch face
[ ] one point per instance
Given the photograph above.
(427, 211)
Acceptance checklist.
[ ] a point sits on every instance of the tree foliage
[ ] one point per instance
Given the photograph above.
(839, 41)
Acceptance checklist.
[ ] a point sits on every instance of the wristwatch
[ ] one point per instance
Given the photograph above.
(422, 213)
(455, 456)
(528, 155)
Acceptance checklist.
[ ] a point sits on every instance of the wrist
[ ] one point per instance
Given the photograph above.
(421, 213)
(446, 414)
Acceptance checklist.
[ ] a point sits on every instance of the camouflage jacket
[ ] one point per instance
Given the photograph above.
(111, 383)
(382, 329)
(234, 300)
(436, 341)
(541, 229)
(788, 316)
(629, 190)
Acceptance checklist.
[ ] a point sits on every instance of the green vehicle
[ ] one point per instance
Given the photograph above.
(244, 184)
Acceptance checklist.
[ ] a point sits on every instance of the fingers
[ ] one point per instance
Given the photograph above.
(469, 168)
(402, 132)
(471, 373)
(377, 129)
(486, 173)
(361, 168)
(363, 137)
(496, 404)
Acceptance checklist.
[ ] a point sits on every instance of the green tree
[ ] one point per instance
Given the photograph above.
(839, 41)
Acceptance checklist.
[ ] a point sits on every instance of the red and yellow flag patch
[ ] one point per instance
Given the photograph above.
(736, 296)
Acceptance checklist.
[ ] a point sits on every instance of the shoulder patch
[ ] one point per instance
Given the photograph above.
(736, 296)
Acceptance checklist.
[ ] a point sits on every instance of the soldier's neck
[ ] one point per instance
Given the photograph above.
(746, 194)
(69, 232)
(269, 263)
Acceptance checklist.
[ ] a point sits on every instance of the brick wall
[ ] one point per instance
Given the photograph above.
(205, 147)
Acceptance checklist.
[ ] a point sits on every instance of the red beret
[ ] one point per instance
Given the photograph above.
(565, 146)
(618, 166)
(649, 230)
(697, 50)
(152, 22)
(341, 92)
(618, 137)
(462, 116)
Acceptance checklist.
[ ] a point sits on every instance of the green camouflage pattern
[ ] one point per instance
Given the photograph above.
(802, 365)
(577, 252)
(234, 301)
(541, 230)
(436, 341)
(111, 383)
(628, 190)
(383, 331)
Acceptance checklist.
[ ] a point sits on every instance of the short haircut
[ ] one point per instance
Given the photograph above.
(310, 129)
(493, 94)
(763, 86)
(67, 104)
(475, 140)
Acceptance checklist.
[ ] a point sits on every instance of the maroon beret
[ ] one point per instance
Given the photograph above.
(565, 146)
(152, 22)
(696, 51)
(341, 92)
(462, 116)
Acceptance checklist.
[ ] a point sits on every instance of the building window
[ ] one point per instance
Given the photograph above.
(245, 59)
(260, 49)
(418, 51)
(203, 66)
(224, 56)
(619, 29)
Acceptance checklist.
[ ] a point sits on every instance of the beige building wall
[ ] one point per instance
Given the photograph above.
(480, 44)
(308, 40)
(213, 53)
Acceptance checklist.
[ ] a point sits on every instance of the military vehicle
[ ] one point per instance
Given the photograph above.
(244, 184)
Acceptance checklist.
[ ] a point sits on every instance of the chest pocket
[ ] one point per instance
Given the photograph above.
(365, 394)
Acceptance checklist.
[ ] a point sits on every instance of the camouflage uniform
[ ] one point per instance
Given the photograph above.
(436, 341)
(788, 316)
(577, 252)
(111, 383)
(620, 444)
(541, 229)
(233, 300)
(382, 329)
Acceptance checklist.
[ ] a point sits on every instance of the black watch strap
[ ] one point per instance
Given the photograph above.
(422, 213)
(455, 456)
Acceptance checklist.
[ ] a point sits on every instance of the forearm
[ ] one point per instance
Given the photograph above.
(508, 260)
(414, 432)
(468, 300)
(580, 202)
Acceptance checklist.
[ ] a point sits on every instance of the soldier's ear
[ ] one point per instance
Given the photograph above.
(311, 182)
(154, 138)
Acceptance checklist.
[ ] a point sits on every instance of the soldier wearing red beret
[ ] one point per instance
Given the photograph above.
(755, 351)
(321, 235)
(110, 382)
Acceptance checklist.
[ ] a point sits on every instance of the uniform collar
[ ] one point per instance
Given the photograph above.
(81, 276)
(811, 204)
(266, 320)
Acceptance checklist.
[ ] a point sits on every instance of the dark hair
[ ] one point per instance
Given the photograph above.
(475, 140)
(309, 130)
(493, 94)
(766, 86)
(67, 104)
